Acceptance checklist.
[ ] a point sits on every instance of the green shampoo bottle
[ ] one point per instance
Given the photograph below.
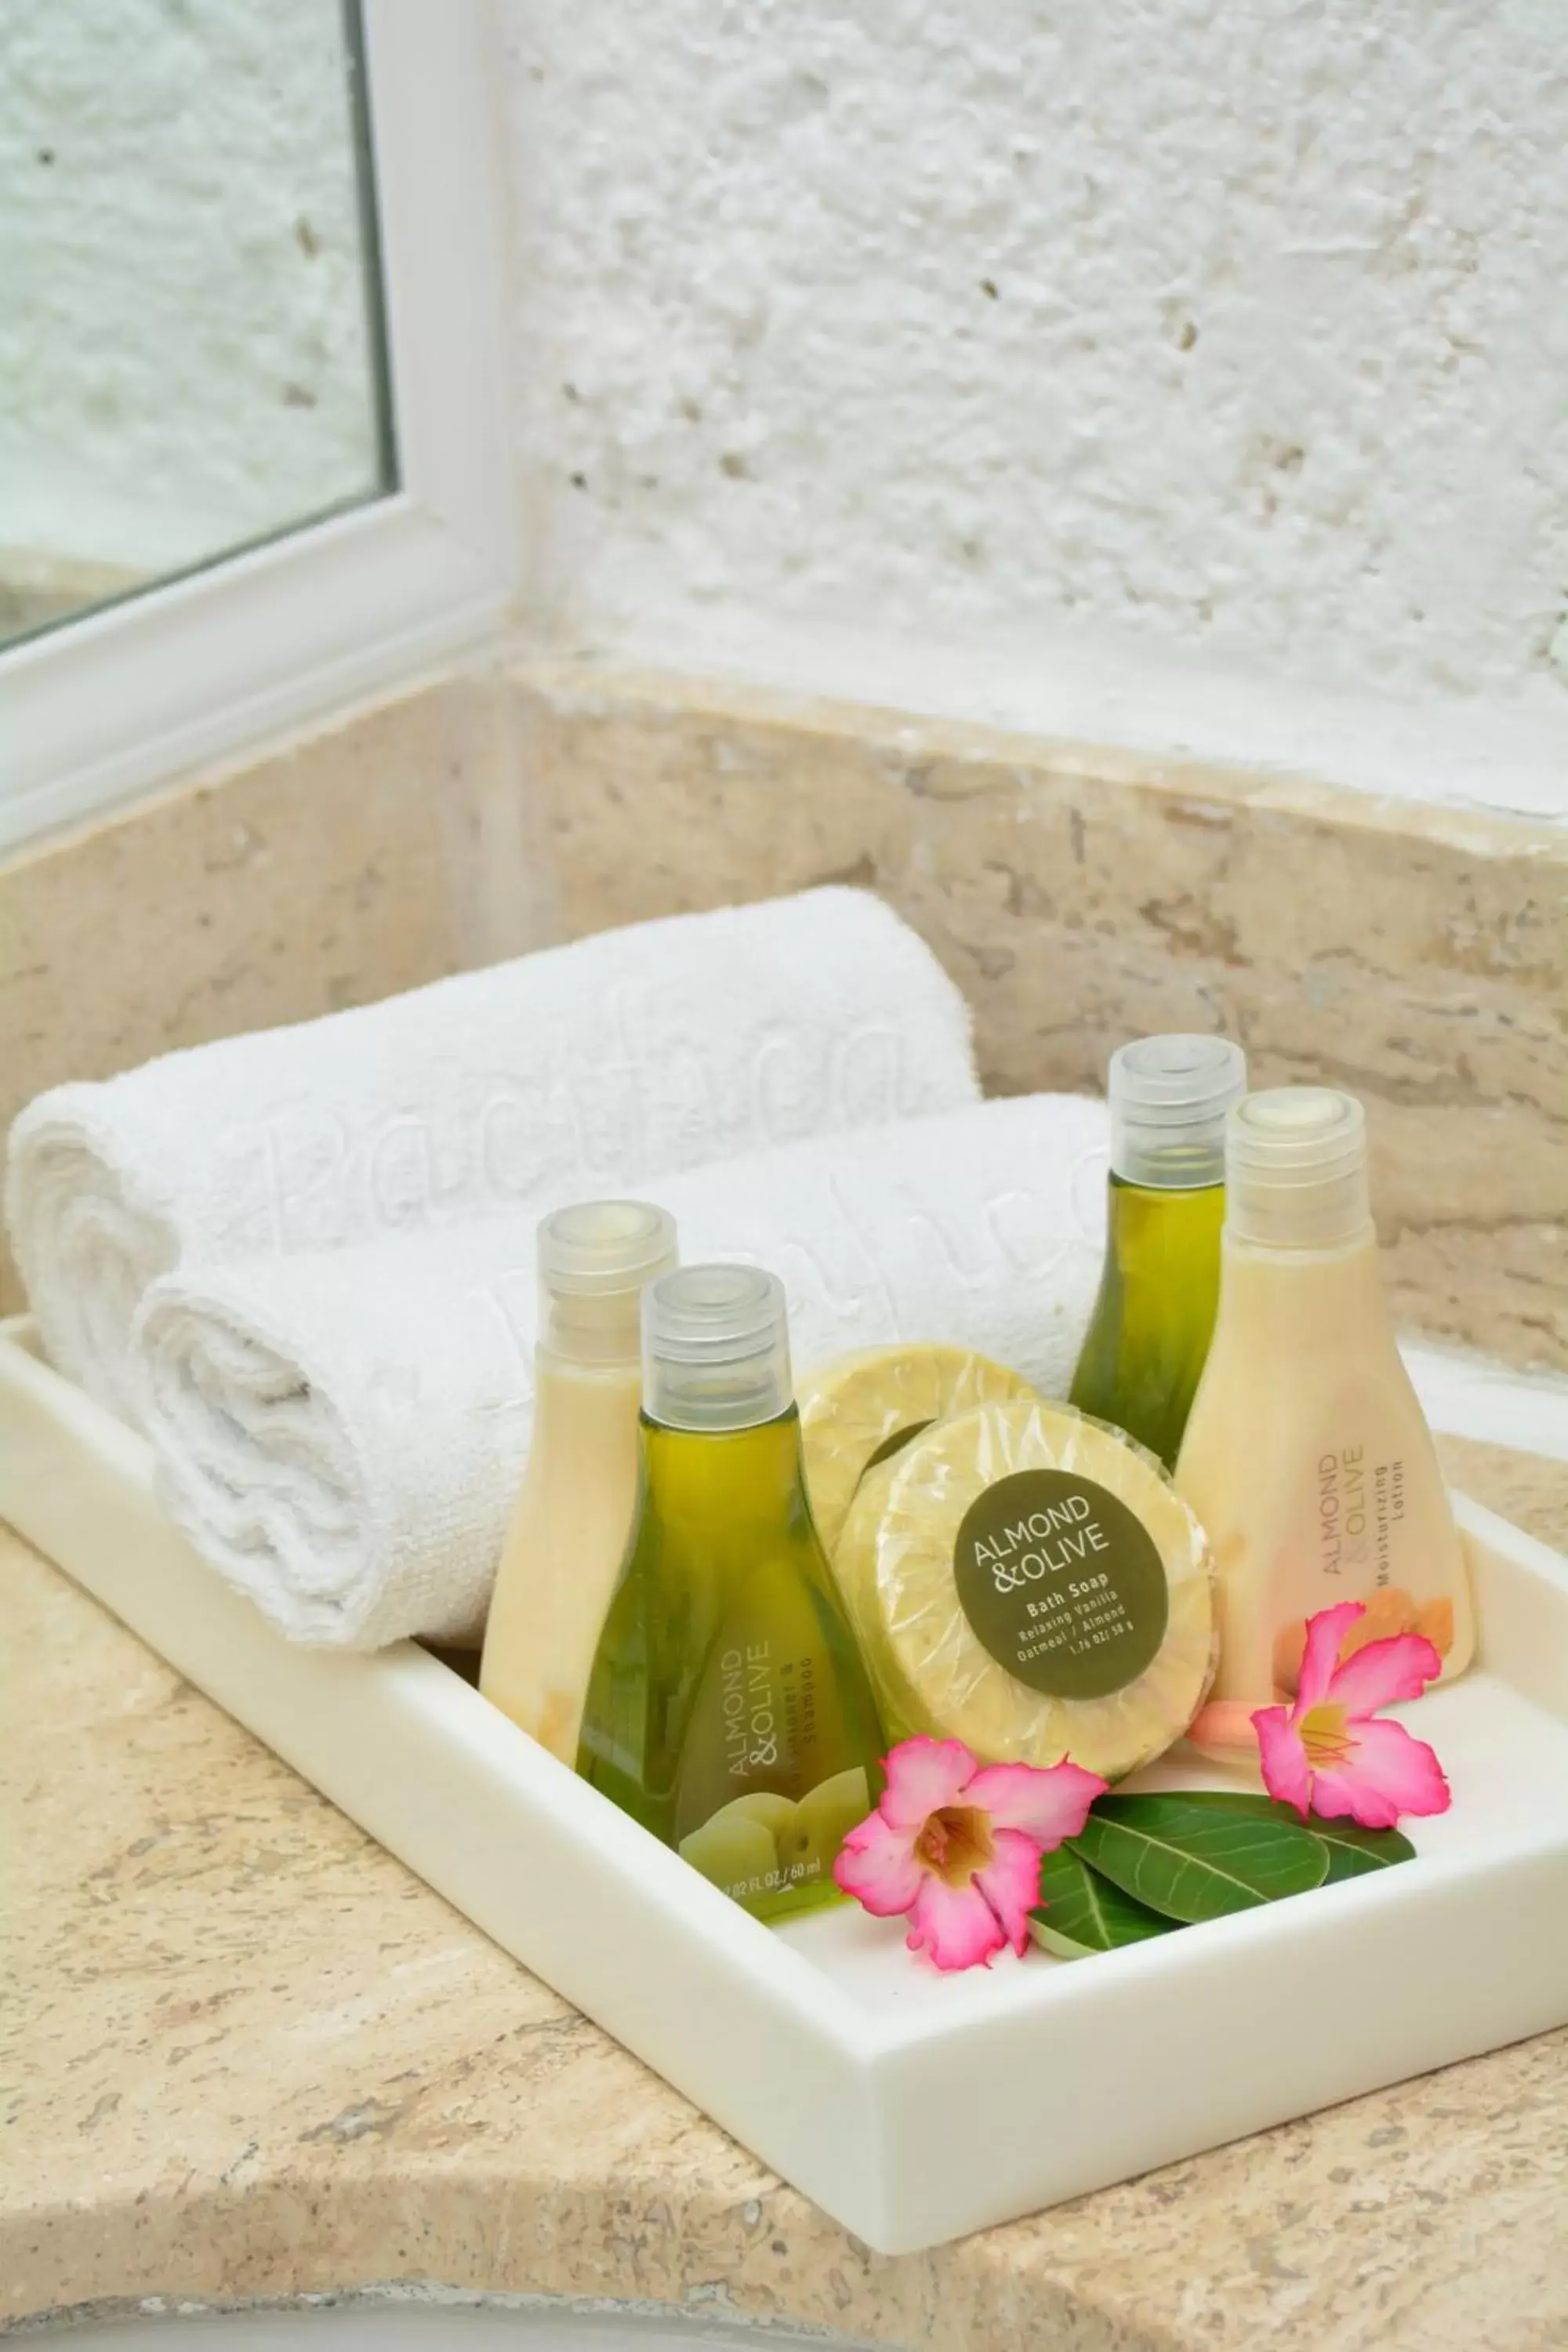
(727, 1710)
(1149, 1336)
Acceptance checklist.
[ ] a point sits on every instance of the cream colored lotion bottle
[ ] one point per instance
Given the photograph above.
(578, 1498)
(1307, 1456)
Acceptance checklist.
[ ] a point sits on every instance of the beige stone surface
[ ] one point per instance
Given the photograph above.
(246, 2057)
(1080, 895)
(363, 859)
(1530, 1489)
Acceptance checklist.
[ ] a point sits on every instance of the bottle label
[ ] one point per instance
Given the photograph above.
(1062, 1582)
(1364, 1547)
(1359, 1505)
(760, 1812)
(764, 1844)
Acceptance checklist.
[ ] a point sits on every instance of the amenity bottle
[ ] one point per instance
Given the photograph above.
(1307, 1455)
(1149, 1336)
(578, 1497)
(727, 1710)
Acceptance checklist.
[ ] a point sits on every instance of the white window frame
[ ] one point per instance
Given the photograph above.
(144, 691)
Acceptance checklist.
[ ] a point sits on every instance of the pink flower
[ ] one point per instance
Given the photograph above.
(1324, 1753)
(956, 1845)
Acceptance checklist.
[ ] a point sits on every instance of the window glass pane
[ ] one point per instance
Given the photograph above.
(191, 354)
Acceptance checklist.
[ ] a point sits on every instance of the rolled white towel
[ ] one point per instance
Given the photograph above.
(575, 1070)
(340, 1435)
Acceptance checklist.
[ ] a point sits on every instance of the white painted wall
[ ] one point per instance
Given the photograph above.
(184, 358)
(1189, 372)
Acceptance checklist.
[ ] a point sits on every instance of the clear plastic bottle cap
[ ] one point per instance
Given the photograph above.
(596, 1260)
(1169, 1098)
(1296, 1169)
(715, 1347)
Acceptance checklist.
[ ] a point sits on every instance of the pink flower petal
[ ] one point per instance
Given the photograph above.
(1010, 1881)
(1381, 1672)
(1048, 1804)
(955, 1923)
(1324, 1633)
(877, 1865)
(924, 1775)
(1386, 1774)
(1282, 1759)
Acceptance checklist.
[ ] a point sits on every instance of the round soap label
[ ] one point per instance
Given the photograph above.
(1062, 1583)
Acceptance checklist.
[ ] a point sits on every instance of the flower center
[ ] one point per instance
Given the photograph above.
(1325, 1737)
(955, 1842)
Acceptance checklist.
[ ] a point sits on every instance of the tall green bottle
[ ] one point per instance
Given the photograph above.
(727, 1710)
(1149, 1336)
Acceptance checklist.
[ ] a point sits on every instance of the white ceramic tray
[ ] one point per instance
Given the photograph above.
(913, 2107)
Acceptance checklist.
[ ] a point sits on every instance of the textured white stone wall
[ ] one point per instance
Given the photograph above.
(1197, 368)
(183, 355)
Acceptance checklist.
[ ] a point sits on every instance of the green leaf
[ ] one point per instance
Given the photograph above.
(1352, 1850)
(1081, 1912)
(1195, 1861)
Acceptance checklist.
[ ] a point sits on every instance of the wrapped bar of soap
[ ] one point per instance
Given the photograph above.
(859, 1410)
(1030, 1581)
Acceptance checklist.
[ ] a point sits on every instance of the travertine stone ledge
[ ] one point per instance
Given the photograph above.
(1079, 894)
(1416, 955)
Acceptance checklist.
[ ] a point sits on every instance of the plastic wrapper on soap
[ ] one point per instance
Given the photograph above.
(1027, 1533)
(862, 1407)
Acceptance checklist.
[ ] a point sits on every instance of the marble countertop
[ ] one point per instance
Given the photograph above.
(249, 2058)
